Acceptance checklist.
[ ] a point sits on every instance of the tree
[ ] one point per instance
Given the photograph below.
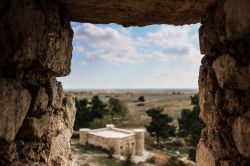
(100, 122)
(159, 126)
(98, 108)
(141, 99)
(111, 152)
(194, 99)
(190, 125)
(83, 117)
(116, 108)
(87, 112)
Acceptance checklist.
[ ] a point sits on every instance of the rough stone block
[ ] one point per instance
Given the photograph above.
(204, 156)
(55, 93)
(41, 101)
(38, 37)
(227, 163)
(232, 103)
(241, 134)
(237, 19)
(209, 113)
(229, 74)
(14, 104)
(35, 128)
(61, 132)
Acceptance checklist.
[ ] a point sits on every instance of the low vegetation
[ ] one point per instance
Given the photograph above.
(104, 161)
(175, 133)
(174, 161)
(111, 152)
(95, 113)
(190, 126)
(159, 126)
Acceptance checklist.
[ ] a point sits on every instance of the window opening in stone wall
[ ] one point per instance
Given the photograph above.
(123, 80)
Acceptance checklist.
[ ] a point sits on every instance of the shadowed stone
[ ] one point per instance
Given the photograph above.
(36, 46)
(236, 26)
(241, 134)
(14, 105)
(137, 12)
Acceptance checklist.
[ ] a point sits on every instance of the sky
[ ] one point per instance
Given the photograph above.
(111, 56)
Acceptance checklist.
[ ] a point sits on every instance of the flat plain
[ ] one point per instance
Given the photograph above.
(172, 101)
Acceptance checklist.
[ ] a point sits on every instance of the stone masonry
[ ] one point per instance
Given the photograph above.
(36, 116)
(224, 85)
(36, 45)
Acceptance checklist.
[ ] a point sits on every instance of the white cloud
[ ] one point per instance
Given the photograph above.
(119, 46)
(79, 49)
(109, 44)
(174, 42)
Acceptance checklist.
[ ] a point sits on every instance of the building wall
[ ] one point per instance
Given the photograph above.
(139, 137)
(133, 143)
(124, 144)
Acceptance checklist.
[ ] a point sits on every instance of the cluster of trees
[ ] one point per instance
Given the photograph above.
(95, 113)
(159, 126)
(141, 101)
(190, 126)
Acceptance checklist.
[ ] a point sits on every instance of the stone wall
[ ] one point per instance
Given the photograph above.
(224, 85)
(35, 42)
(36, 116)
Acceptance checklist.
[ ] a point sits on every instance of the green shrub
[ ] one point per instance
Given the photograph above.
(128, 160)
(174, 161)
(111, 152)
(151, 160)
(100, 122)
(192, 154)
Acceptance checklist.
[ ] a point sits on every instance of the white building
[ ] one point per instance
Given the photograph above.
(123, 141)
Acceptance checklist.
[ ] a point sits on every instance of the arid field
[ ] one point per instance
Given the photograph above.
(173, 101)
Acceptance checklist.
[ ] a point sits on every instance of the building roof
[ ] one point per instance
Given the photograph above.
(111, 133)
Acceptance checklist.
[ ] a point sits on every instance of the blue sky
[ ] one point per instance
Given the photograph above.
(111, 56)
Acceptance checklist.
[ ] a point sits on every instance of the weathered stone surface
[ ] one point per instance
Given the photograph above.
(36, 118)
(14, 104)
(241, 134)
(204, 156)
(237, 19)
(35, 44)
(41, 101)
(35, 127)
(60, 153)
(132, 13)
(46, 139)
(224, 82)
(230, 74)
(227, 163)
(209, 114)
(220, 143)
(233, 102)
(55, 93)
(39, 38)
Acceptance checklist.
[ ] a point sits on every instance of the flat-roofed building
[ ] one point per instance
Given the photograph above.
(123, 141)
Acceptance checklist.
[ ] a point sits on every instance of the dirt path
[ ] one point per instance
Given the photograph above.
(161, 158)
(86, 159)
